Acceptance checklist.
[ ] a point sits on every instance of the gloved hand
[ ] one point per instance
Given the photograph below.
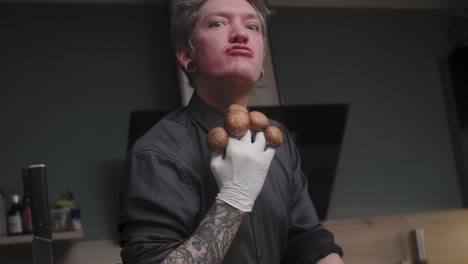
(241, 174)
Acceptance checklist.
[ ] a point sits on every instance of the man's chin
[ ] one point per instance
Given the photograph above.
(242, 77)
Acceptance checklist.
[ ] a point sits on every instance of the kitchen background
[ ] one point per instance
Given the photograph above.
(70, 74)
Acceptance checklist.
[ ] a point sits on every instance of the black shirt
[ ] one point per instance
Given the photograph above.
(170, 188)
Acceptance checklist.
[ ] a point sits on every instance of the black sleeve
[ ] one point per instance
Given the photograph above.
(158, 208)
(310, 247)
(308, 241)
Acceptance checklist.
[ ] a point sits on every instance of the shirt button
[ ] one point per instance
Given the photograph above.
(260, 256)
(253, 212)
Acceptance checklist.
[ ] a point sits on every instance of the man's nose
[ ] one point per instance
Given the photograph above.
(239, 35)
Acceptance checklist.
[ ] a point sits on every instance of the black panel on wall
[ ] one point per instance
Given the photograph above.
(318, 132)
(316, 129)
(458, 62)
(458, 65)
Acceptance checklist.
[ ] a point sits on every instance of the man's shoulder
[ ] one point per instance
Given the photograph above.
(166, 136)
(276, 123)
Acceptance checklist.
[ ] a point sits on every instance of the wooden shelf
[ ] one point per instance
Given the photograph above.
(62, 235)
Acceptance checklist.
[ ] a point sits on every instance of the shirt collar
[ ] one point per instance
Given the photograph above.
(204, 114)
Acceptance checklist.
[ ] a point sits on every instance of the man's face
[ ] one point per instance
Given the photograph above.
(228, 40)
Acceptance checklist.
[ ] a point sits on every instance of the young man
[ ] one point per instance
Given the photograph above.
(184, 204)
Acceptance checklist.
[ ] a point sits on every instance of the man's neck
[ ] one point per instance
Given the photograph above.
(221, 94)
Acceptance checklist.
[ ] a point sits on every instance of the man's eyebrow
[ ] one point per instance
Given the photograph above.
(248, 15)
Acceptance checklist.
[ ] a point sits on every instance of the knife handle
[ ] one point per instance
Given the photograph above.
(419, 245)
(39, 201)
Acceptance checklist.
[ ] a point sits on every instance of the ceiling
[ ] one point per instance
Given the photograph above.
(298, 3)
(373, 3)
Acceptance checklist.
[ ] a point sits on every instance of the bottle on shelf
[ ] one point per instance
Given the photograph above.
(76, 218)
(15, 224)
(3, 219)
(26, 208)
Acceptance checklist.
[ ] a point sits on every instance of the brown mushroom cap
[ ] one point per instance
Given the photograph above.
(237, 107)
(273, 136)
(236, 123)
(258, 121)
(217, 139)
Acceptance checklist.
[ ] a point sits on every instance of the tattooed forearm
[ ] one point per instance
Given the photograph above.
(212, 238)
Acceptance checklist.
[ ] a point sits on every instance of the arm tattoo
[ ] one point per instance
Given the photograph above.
(212, 238)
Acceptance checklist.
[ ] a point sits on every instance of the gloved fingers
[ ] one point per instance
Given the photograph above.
(269, 154)
(216, 159)
(232, 144)
(216, 164)
(260, 141)
(247, 138)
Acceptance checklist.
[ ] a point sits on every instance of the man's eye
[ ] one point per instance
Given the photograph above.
(216, 24)
(252, 27)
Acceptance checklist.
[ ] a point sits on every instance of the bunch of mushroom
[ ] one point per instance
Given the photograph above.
(237, 121)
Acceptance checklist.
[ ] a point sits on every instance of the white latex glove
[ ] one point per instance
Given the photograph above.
(241, 174)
